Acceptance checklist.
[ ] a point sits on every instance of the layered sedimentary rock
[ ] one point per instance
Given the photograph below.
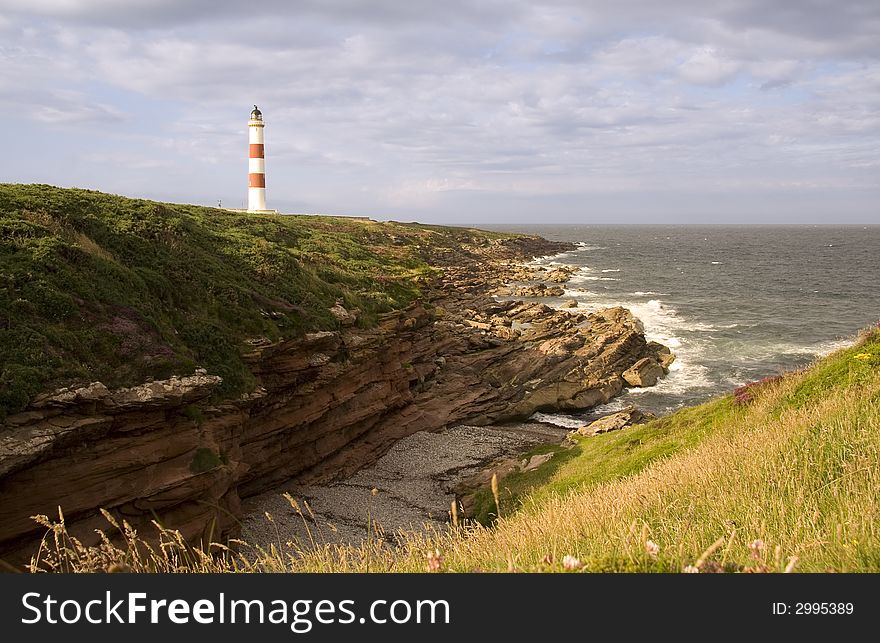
(326, 404)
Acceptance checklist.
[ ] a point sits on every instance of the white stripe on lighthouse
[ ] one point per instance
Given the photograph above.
(256, 165)
(256, 199)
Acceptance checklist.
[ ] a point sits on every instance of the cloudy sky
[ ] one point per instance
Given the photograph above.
(455, 111)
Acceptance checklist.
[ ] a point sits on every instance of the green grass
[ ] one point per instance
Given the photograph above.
(796, 469)
(204, 460)
(859, 367)
(596, 459)
(101, 287)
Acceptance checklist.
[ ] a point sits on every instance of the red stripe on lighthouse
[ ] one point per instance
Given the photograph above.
(256, 180)
(256, 150)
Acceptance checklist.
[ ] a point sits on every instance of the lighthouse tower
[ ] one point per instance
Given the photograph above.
(256, 163)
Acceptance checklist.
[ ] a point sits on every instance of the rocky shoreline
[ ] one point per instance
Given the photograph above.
(412, 486)
(326, 405)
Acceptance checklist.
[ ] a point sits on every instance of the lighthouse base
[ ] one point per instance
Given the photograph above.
(251, 211)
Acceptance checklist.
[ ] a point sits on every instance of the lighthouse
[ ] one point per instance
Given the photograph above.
(256, 163)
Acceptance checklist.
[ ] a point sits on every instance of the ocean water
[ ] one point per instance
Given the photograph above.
(735, 303)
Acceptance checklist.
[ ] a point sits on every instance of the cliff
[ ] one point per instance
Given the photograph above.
(184, 450)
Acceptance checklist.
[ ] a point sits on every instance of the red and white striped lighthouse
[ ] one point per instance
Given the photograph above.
(256, 163)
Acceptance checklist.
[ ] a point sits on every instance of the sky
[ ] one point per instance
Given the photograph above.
(522, 111)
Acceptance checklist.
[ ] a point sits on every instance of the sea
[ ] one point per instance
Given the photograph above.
(734, 303)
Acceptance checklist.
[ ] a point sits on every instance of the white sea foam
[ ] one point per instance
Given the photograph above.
(611, 270)
(581, 278)
(559, 420)
(554, 259)
(612, 406)
(681, 379)
(818, 350)
(661, 319)
(717, 263)
(826, 348)
(575, 422)
(579, 292)
(758, 354)
(648, 293)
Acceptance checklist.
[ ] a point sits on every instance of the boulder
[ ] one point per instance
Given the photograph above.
(538, 290)
(662, 354)
(343, 316)
(666, 360)
(478, 325)
(571, 303)
(644, 372)
(560, 275)
(535, 461)
(615, 421)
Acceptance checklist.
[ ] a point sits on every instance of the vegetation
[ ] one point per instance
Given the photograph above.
(205, 460)
(784, 480)
(101, 287)
(590, 460)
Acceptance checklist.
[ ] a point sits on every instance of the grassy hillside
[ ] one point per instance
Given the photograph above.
(101, 287)
(782, 475)
(785, 472)
(592, 460)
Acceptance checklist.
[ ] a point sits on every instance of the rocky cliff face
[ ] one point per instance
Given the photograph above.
(327, 404)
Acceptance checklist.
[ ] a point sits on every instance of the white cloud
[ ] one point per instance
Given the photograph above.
(777, 73)
(70, 110)
(707, 67)
(642, 56)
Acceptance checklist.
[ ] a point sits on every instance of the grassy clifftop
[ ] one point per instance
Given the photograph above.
(101, 287)
(782, 474)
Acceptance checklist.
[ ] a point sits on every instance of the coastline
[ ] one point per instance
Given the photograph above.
(328, 405)
(466, 353)
(412, 485)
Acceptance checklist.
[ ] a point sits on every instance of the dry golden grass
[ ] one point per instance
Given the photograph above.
(787, 483)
